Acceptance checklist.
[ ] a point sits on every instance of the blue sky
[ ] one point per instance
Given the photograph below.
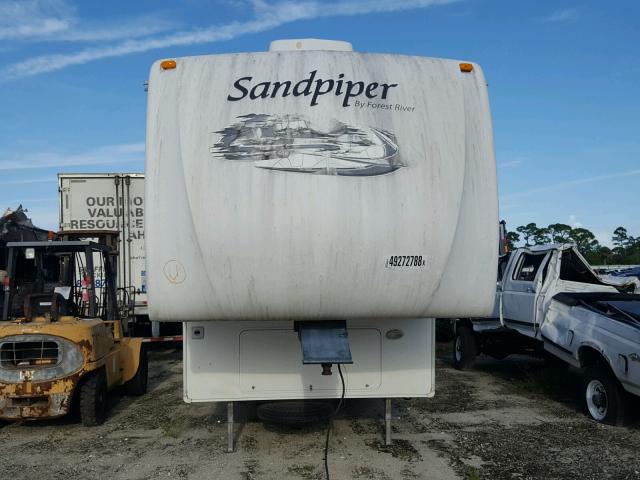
(564, 80)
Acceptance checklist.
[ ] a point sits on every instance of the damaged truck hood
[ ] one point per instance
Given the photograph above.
(624, 283)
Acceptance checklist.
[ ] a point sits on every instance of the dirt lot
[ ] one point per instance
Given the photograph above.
(514, 419)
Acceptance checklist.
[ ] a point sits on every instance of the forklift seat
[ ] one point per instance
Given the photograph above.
(39, 304)
(36, 305)
(61, 306)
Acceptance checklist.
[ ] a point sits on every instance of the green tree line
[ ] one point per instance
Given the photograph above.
(625, 251)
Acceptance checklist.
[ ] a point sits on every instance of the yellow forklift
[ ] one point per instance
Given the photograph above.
(61, 338)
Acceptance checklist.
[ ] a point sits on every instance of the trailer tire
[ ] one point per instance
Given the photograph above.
(604, 399)
(138, 384)
(465, 348)
(93, 399)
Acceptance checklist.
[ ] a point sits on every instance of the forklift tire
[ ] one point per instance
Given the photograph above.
(465, 348)
(138, 384)
(604, 399)
(93, 399)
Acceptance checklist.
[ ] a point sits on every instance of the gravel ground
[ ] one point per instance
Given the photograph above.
(514, 419)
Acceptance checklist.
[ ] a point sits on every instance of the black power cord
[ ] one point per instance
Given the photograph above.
(330, 426)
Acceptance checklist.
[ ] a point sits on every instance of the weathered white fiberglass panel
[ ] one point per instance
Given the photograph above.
(308, 230)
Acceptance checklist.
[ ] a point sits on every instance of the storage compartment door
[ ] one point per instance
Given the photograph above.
(271, 361)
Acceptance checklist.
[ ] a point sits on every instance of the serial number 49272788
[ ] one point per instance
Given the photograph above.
(395, 261)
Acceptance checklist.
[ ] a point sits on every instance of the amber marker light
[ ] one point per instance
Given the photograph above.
(168, 64)
(466, 67)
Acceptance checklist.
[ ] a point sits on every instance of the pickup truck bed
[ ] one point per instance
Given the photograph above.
(623, 307)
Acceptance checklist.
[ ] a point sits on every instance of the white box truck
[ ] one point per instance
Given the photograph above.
(312, 185)
(92, 203)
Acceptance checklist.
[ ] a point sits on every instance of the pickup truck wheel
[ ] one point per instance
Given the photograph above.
(93, 399)
(464, 348)
(604, 398)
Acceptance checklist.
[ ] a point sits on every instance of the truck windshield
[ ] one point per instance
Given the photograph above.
(573, 269)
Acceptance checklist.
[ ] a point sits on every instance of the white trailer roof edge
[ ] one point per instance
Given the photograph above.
(476, 67)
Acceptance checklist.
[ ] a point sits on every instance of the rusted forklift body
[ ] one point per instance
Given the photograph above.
(61, 338)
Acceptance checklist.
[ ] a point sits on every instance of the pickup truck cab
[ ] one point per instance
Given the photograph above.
(550, 303)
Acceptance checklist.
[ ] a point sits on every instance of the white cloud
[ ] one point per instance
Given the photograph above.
(508, 206)
(573, 221)
(56, 21)
(511, 163)
(571, 183)
(137, 27)
(267, 16)
(26, 181)
(565, 15)
(21, 19)
(105, 155)
(29, 201)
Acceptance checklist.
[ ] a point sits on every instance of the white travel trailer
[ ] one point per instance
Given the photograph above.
(309, 195)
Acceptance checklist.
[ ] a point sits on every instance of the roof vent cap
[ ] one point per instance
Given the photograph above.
(310, 44)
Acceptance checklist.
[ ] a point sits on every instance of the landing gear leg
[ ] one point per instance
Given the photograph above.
(155, 329)
(387, 421)
(229, 427)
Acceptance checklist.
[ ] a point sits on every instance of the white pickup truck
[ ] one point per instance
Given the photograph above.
(550, 303)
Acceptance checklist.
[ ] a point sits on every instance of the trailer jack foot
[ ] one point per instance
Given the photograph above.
(387, 421)
(229, 427)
